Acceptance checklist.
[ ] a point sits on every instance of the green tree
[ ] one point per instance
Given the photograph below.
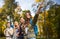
(53, 19)
(9, 7)
(57, 12)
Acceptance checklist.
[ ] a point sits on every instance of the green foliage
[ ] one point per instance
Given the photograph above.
(57, 8)
(54, 20)
(7, 9)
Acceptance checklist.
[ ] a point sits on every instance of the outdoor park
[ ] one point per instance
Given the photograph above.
(48, 20)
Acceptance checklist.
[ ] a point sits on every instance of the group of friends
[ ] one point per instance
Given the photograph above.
(26, 29)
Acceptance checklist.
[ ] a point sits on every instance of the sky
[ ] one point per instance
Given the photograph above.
(1, 3)
(26, 4)
(57, 1)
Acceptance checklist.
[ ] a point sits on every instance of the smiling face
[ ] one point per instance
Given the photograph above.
(28, 15)
(22, 20)
(8, 24)
(15, 24)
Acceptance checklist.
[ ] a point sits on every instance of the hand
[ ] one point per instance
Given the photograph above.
(17, 35)
(5, 32)
(41, 5)
(39, 8)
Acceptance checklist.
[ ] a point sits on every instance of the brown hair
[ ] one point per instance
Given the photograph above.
(29, 14)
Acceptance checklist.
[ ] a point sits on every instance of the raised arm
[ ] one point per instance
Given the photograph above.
(5, 32)
(10, 31)
(37, 14)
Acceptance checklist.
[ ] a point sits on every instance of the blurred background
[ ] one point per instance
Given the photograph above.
(48, 21)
